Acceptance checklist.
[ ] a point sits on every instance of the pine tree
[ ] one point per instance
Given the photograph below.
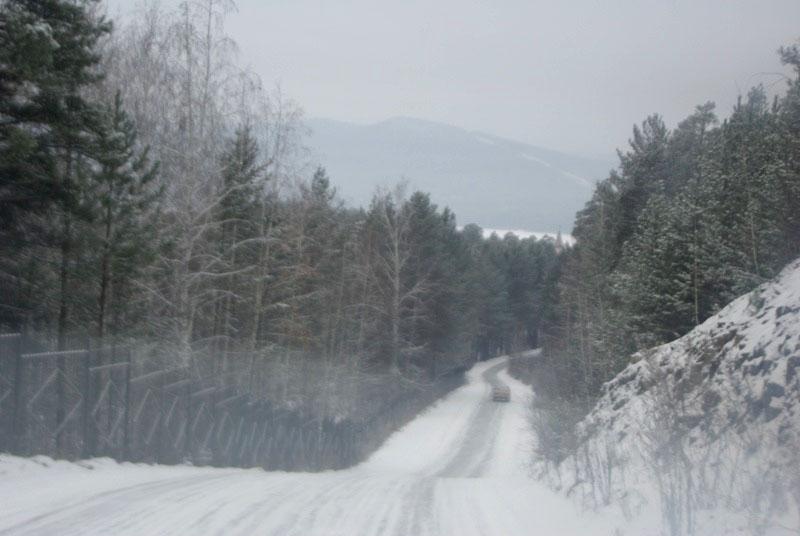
(744, 191)
(122, 196)
(236, 230)
(645, 172)
(654, 280)
(49, 58)
(666, 277)
(488, 316)
(787, 168)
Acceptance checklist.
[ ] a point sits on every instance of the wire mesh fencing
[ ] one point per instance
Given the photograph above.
(116, 401)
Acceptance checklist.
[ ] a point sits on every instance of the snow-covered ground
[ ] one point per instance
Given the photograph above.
(523, 234)
(460, 469)
(567, 239)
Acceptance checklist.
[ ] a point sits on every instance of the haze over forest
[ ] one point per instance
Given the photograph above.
(568, 78)
(244, 307)
(490, 181)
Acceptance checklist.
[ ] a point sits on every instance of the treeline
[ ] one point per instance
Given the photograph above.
(692, 218)
(153, 191)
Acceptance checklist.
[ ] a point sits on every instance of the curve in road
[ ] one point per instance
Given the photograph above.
(457, 469)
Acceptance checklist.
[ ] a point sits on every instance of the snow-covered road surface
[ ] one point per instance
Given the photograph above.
(458, 469)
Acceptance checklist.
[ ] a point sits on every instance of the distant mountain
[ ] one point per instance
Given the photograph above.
(484, 179)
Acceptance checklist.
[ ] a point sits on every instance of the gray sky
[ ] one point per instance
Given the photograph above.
(570, 75)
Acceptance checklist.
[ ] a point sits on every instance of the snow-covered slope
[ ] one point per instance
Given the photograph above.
(739, 370)
(491, 181)
(708, 425)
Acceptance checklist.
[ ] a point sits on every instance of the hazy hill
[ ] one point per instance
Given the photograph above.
(487, 180)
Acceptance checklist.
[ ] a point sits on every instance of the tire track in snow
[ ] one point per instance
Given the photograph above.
(98, 507)
(470, 460)
(359, 501)
(476, 450)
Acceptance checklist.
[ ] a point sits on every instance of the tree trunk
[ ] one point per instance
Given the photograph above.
(105, 279)
(395, 311)
(255, 332)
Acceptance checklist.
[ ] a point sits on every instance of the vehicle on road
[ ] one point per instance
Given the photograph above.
(501, 393)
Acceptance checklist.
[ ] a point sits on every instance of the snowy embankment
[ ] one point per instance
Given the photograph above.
(457, 469)
(704, 432)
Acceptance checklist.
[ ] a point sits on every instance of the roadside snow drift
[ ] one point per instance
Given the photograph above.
(458, 469)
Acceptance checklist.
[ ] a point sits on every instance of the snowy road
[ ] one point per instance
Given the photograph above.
(458, 469)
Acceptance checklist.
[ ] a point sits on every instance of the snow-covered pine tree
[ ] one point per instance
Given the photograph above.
(122, 196)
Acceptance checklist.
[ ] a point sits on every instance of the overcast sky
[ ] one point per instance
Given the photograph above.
(571, 75)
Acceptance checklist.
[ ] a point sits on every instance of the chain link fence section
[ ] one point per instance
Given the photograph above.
(118, 402)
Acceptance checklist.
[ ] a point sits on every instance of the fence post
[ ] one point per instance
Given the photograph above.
(187, 439)
(161, 427)
(61, 365)
(89, 446)
(109, 377)
(18, 423)
(126, 425)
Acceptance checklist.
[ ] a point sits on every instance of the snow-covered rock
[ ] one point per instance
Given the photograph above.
(740, 369)
(708, 426)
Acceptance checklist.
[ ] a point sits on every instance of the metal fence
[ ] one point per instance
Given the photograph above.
(90, 402)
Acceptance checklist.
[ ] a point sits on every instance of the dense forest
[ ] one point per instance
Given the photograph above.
(692, 218)
(153, 192)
